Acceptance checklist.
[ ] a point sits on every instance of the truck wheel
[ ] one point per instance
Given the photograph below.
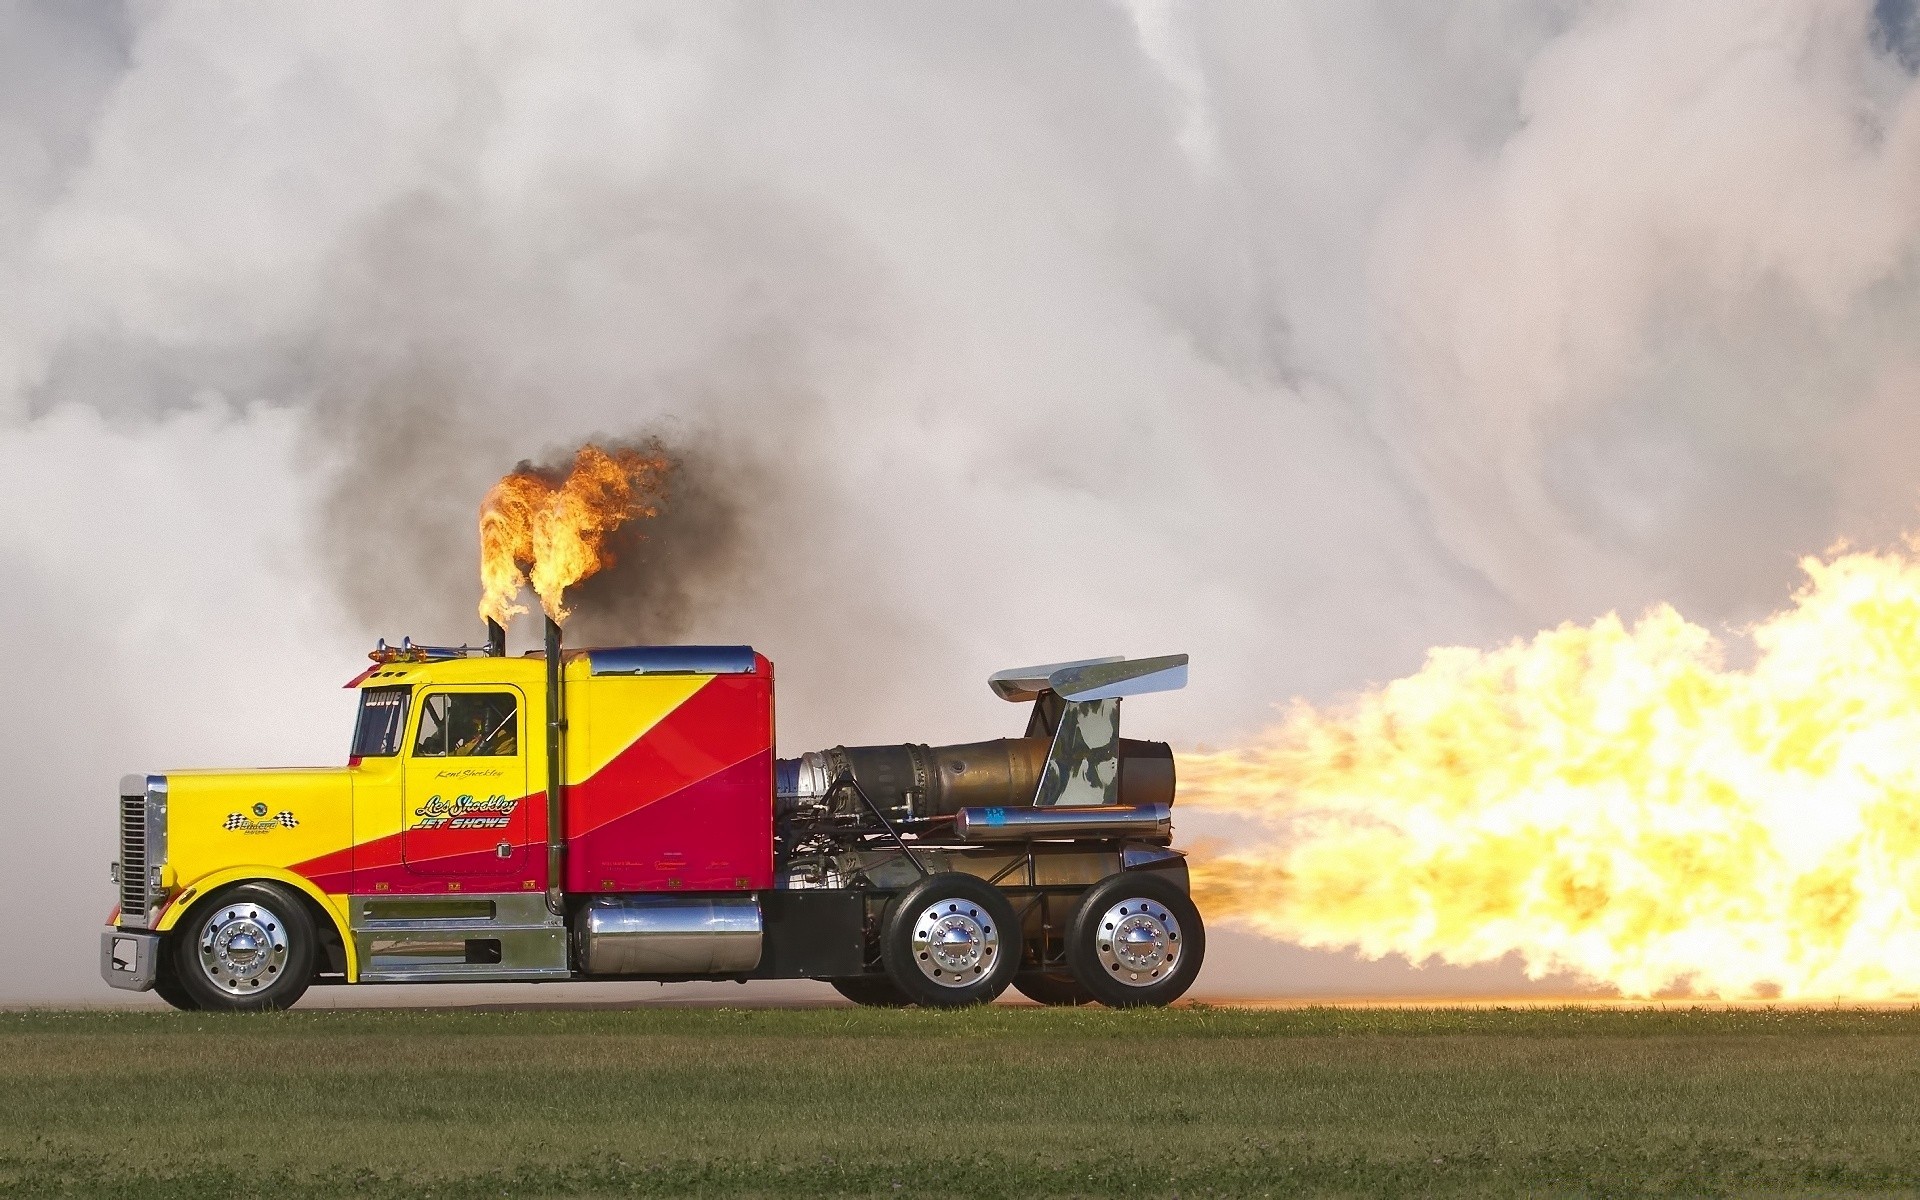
(168, 988)
(247, 948)
(1056, 989)
(873, 991)
(1135, 939)
(950, 940)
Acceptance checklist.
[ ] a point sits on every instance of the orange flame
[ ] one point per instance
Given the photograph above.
(1611, 801)
(534, 531)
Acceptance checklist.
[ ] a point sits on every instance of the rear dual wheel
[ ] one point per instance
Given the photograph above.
(1055, 989)
(1135, 939)
(949, 941)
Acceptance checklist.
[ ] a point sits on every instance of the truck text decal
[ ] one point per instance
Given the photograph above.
(465, 812)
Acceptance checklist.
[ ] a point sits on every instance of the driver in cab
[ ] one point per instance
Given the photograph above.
(476, 738)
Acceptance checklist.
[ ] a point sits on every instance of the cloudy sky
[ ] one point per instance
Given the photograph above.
(1294, 335)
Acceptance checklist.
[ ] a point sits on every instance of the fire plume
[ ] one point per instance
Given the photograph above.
(547, 531)
(1612, 801)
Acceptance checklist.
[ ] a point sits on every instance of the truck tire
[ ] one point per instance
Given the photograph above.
(246, 948)
(950, 940)
(1055, 989)
(872, 991)
(168, 988)
(1135, 939)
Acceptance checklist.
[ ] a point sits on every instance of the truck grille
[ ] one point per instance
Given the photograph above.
(133, 861)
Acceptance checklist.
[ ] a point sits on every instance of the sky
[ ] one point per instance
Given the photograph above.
(1299, 337)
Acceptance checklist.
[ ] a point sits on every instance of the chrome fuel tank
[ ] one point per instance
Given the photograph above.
(668, 935)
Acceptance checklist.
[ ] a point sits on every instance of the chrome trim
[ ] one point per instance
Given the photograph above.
(955, 942)
(1111, 681)
(812, 776)
(143, 847)
(1020, 684)
(1138, 942)
(1148, 821)
(430, 947)
(242, 946)
(1092, 678)
(128, 960)
(1136, 857)
(669, 935)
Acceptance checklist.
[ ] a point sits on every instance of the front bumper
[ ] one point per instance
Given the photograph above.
(129, 959)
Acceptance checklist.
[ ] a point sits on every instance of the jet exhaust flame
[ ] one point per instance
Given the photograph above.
(1613, 801)
(547, 531)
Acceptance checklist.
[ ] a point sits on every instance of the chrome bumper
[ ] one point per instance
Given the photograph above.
(129, 959)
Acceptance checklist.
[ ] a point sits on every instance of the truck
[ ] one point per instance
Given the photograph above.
(619, 813)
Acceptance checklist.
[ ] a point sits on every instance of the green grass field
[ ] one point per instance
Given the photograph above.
(994, 1102)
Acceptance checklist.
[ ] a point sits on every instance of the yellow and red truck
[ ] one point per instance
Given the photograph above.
(619, 813)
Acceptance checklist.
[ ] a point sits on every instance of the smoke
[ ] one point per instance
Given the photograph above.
(1300, 337)
(664, 531)
(663, 568)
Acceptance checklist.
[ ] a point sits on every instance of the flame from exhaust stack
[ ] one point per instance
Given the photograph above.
(1611, 801)
(551, 533)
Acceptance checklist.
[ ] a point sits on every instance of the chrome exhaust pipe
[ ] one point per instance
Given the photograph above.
(1148, 822)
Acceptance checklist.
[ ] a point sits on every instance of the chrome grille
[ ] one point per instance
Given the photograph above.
(133, 861)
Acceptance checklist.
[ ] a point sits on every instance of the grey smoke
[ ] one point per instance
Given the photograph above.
(660, 570)
(1298, 336)
(664, 568)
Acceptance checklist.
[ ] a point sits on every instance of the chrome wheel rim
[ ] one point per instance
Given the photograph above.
(1138, 942)
(243, 948)
(955, 942)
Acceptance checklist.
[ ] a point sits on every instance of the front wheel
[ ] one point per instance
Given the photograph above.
(950, 940)
(247, 948)
(168, 988)
(1135, 939)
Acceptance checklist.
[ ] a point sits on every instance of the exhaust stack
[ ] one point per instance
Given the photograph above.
(496, 639)
(556, 824)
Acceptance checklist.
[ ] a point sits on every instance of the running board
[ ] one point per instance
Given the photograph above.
(504, 937)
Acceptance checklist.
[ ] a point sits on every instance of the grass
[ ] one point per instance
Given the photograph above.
(993, 1102)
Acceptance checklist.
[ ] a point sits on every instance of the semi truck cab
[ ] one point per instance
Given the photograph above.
(619, 813)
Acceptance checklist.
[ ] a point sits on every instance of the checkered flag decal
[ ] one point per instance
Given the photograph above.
(286, 819)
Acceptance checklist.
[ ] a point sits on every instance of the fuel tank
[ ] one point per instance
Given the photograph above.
(667, 935)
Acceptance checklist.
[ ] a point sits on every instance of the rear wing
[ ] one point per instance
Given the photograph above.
(1092, 678)
(1077, 704)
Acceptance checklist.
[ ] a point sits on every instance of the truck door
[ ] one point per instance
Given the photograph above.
(464, 804)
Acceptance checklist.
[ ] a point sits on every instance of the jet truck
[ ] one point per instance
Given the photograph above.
(620, 814)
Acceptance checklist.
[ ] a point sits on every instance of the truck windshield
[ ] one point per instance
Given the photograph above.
(383, 718)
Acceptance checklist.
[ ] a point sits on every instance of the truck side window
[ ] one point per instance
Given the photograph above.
(460, 724)
(382, 723)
